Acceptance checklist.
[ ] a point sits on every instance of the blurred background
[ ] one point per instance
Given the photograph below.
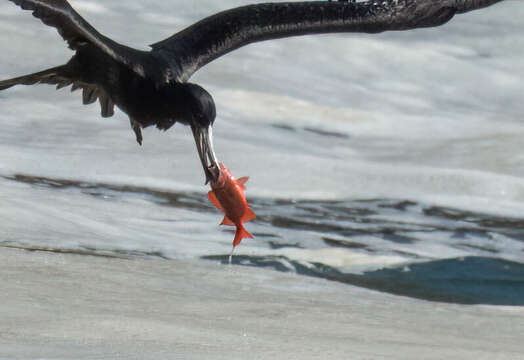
(391, 161)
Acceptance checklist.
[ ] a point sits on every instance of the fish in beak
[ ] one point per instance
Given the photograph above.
(228, 195)
(204, 143)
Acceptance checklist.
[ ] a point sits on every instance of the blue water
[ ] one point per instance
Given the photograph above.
(470, 280)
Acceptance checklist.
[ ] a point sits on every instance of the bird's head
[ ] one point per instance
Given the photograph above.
(201, 116)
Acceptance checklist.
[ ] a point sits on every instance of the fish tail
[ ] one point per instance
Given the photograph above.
(240, 234)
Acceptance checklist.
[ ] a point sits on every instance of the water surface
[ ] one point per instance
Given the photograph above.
(390, 161)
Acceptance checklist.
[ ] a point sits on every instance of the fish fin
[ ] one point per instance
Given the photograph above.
(227, 221)
(240, 234)
(212, 197)
(248, 215)
(242, 180)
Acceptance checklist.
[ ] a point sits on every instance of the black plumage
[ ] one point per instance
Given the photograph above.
(152, 87)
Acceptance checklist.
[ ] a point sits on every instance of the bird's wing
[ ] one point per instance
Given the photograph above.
(77, 32)
(61, 77)
(212, 37)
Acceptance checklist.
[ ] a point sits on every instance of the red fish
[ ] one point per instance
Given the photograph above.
(228, 196)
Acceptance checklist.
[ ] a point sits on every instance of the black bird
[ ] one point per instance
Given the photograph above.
(152, 87)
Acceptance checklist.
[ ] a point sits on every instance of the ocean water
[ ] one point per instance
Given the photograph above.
(390, 161)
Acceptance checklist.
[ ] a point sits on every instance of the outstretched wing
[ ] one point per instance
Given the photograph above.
(77, 32)
(197, 45)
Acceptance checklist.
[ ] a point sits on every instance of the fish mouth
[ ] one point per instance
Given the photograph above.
(204, 143)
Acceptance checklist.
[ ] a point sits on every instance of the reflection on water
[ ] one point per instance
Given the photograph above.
(489, 269)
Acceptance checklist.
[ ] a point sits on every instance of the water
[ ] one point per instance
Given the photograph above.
(389, 161)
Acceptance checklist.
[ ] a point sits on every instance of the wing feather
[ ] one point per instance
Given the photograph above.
(61, 77)
(212, 37)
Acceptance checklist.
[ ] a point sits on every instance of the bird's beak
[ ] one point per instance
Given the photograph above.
(204, 144)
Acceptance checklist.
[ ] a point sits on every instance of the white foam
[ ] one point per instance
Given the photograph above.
(89, 6)
(160, 19)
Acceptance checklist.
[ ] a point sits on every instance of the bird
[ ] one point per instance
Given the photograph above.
(152, 87)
